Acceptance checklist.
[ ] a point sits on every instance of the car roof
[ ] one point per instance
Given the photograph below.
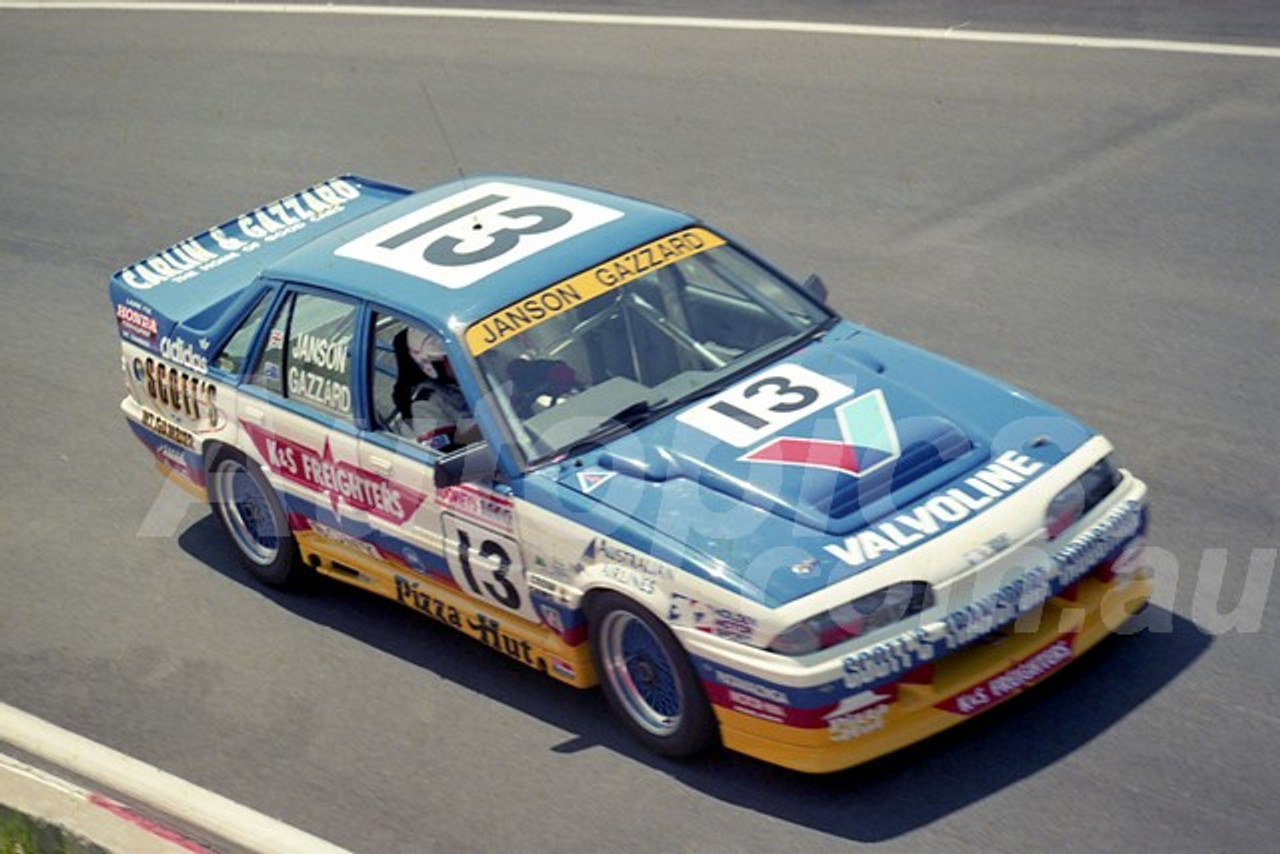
(332, 262)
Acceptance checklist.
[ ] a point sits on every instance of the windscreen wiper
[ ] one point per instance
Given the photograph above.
(630, 417)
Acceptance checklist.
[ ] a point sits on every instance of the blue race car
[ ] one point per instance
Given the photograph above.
(608, 441)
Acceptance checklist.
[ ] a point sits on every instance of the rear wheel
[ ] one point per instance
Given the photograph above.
(251, 516)
(647, 678)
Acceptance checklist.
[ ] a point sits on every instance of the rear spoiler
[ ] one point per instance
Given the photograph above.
(194, 283)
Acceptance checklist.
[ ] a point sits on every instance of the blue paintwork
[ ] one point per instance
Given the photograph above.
(317, 264)
(171, 454)
(206, 305)
(666, 490)
(744, 525)
(205, 301)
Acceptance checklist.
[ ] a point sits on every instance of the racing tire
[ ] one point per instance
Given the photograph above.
(249, 513)
(648, 679)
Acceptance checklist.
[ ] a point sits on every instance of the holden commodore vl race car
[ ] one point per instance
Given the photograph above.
(612, 443)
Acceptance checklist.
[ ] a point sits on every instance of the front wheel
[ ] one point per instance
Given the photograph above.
(251, 516)
(647, 678)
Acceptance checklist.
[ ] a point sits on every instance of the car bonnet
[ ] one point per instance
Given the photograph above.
(908, 446)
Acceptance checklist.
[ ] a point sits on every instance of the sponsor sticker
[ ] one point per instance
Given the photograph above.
(604, 552)
(478, 504)
(760, 406)
(562, 668)
(855, 724)
(328, 532)
(601, 279)
(168, 430)
(138, 323)
(459, 240)
(868, 441)
(339, 480)
(177, 392)
(186, 260)
(889, 660)
(1006, 474)
(721, 622)
(1021, 675)
(185, 353)
(590, 481)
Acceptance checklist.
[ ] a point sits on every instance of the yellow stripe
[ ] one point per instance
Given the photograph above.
(532, 644)
(564, 295)
(1100, 609)
(196, 491)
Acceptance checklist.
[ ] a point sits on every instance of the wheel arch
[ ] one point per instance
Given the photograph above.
(214, 448)
(599, 588)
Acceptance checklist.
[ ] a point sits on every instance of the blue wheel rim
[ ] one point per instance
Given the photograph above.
(641, 673)
(650, 670)
(247, 512)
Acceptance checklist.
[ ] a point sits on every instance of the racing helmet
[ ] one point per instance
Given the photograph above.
(427, 351)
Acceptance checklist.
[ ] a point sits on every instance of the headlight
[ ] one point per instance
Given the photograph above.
(1081, 496)
(866, 614)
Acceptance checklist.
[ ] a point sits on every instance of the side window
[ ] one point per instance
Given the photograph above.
(268, 373)
(231, 359)
(415, 393)
(385, 366)
(308, 354)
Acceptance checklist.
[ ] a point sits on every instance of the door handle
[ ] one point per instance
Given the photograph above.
(254, 414)
(380, 464)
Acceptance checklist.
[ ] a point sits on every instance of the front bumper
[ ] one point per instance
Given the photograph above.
(835, 713)
(940, 695)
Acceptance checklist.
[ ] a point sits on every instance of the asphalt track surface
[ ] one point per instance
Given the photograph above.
(1096, 226)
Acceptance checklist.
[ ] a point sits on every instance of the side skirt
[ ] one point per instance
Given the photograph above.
(533, 644)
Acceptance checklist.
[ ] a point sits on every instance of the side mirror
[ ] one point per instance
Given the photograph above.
(816, 288)
(476, 463)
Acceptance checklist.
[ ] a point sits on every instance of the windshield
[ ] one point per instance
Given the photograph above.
(638, 335)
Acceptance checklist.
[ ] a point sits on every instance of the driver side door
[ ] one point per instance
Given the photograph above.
(463, 537)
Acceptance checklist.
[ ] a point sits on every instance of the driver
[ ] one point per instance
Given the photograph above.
(434, 407)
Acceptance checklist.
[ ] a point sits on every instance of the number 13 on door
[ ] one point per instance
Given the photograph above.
(487, 566)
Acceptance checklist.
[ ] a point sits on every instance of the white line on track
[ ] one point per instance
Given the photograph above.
(669, 21)
(171, 795)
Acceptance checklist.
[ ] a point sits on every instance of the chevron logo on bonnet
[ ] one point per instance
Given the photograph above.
(868, 441)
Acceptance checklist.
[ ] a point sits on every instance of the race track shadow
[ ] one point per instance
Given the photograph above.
(875, 802)
(927, 781)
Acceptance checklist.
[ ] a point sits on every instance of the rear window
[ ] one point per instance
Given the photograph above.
(232, 357)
